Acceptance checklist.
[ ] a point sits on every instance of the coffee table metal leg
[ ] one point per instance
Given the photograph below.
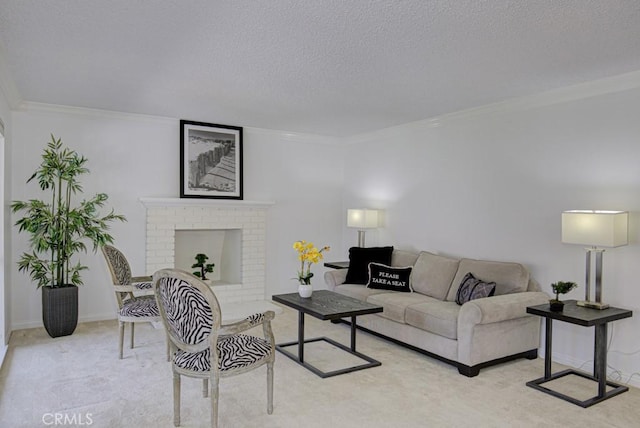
(353, 334)
(301, 336)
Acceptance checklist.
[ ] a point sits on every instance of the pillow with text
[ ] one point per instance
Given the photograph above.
(383, 277)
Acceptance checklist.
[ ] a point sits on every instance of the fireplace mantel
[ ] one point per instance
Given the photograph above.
(194, 202)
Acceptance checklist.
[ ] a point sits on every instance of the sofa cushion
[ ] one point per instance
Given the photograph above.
(394, 304)
(509, 277)
(359, 259)
(432, 274)
(472, 288)
(383, 277)
(434, 316)
(403, 258)
(357, 291)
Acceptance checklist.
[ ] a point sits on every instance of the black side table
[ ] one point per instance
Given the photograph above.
(586, 317)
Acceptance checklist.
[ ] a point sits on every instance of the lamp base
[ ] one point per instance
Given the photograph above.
(592, 305)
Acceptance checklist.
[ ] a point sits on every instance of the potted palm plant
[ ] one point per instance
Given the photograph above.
(59, 228)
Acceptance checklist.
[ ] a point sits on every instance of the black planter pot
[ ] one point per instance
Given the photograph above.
(556, 306)
(60, 310)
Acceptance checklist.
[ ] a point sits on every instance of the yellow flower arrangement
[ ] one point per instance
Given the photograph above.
(307, 254)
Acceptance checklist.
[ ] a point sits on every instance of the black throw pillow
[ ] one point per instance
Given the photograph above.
(383, 277)
(359, 259)
(472, 288)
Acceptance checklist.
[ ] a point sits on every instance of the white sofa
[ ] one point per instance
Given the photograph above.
(471, 336)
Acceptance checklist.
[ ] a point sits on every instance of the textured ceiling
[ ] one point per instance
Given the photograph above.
(332, 67)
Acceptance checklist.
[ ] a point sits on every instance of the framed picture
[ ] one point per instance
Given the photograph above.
(210, 160)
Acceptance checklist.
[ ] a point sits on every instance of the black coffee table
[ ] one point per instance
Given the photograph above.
(326, 305)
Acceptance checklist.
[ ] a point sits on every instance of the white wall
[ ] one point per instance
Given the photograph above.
(135, 156)
(492, 184)
(304, 178)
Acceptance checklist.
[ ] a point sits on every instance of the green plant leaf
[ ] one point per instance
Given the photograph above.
(59, 230)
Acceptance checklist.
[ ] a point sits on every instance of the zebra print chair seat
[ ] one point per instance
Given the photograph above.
(201, 346)
(235, 352)
(139, 307)
(134, 295)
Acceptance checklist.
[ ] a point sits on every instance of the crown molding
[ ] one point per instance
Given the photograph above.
(31, 106)
(194, 202)
(298, 137)
(609, 85)
(590, 89)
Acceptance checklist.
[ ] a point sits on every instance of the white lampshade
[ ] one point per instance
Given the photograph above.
(362, 218)
(595, 228)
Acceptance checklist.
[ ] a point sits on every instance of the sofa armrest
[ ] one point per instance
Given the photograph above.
(499, 308)
(498, 326)
(335, 277)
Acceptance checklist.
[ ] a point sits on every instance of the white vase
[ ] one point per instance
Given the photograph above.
(305, 290)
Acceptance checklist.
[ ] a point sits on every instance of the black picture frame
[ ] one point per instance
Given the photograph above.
(210, 160)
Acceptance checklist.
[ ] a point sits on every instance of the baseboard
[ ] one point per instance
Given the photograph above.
(91, 318)
(99, 317)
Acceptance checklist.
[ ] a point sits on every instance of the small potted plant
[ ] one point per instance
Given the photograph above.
(204, 267)
(560, 287)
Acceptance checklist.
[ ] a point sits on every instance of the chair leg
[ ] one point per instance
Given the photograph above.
(205, 388)
(176, 399)
(133, 325)
(121, 341)
(214, 402)
(270, 388)
(168, 349)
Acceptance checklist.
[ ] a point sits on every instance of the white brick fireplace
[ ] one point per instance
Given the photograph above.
(166, 216)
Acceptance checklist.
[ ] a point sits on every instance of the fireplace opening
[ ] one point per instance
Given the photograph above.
(222, 246)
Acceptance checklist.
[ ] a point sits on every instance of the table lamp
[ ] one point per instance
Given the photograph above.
(362, 219)
(595, 229)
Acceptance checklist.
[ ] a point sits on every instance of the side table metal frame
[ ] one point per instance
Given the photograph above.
(599, 369)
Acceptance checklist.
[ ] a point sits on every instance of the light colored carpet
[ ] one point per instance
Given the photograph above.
(80, 377)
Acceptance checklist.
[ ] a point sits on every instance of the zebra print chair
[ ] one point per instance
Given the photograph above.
(136, 302)
(201, 346)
